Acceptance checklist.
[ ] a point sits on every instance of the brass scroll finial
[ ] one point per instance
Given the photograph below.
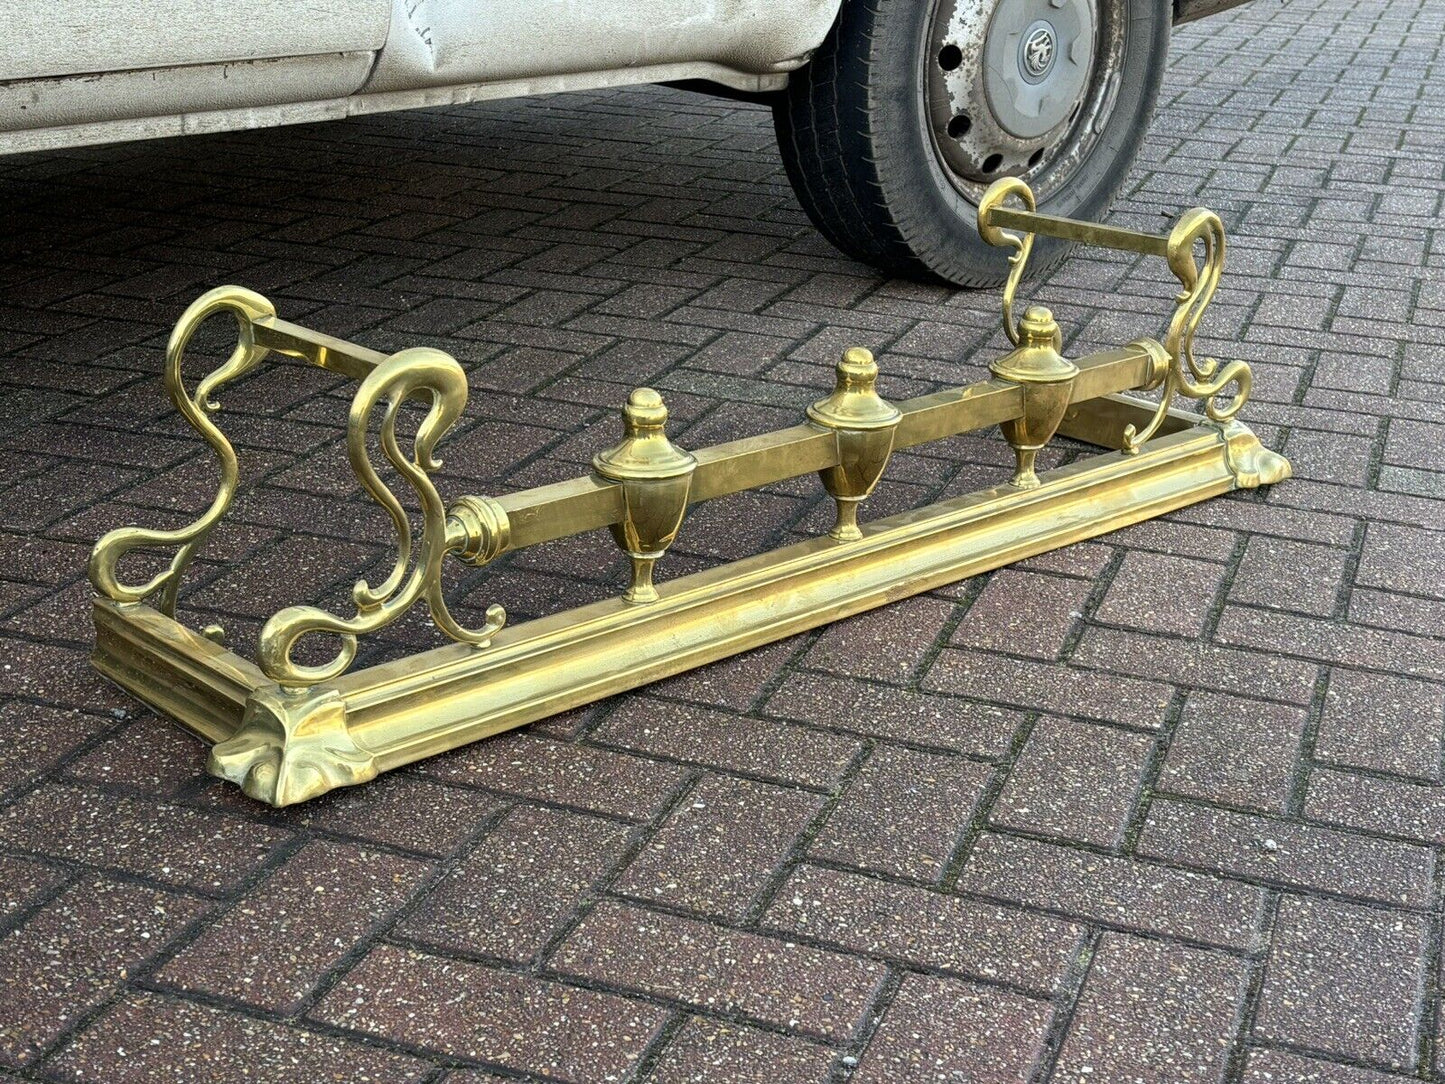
(863, 426)
(416, 574)
(656, 476)
(196, 407)
(1194, 249)
(1198, 231)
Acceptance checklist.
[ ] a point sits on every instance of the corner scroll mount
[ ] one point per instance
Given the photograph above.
(247, 307)
(1198, 230)
(1194, 250)
(1022, 242)
(424, 373)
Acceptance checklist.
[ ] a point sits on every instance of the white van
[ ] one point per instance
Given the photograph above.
(893, 115)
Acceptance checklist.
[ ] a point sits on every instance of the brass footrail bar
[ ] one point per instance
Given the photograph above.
(287, 730)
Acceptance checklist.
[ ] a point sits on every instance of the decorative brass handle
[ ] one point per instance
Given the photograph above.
(247, 307)
(1197, 230)
(411, 373)
(1022, 242)
(1198, 279)
(420, 373)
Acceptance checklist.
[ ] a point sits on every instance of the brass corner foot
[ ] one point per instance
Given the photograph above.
(291, 746)
(1252, 464)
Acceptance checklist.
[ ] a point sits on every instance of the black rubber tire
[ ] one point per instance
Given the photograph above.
(853, 130)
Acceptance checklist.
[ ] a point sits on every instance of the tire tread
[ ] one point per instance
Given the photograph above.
(832, 123)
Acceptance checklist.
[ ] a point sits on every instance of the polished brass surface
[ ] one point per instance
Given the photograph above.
(248, 308)
(286, 731)
(655, 476)
(1197, 231)
(1046, 376)
(290, 745)
(1070, 229)
(1206, 379)
(416, 372)
(1021, 240)
(863, 427)
(478, 529)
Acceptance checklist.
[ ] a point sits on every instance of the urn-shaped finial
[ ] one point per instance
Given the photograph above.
(1046, 377)
(863, 425)
(644, 451)
(1037, 358)
(656, 476)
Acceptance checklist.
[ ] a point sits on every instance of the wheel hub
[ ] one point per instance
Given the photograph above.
(1037, 52)
(1006, 81)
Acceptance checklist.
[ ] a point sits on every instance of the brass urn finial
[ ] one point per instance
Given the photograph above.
(1046, 377)
(1037, 358)
(644, 452)
(656, 476)
(855, 403)
(863, 426)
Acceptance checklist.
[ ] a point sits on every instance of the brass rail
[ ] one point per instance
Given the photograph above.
(571, 507)
(1070, 229)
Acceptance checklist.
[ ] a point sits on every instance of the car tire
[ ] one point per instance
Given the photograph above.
(863, 135)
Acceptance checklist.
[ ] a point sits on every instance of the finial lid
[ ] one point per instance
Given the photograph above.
(1037, 358)
(644, 451)
(1039, 328)
(855, 403)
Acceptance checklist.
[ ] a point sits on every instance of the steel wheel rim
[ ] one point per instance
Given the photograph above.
(1020, 88)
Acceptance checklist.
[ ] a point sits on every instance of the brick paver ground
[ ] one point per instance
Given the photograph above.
(1161, 807)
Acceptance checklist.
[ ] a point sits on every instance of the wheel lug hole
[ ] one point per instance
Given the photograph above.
(1036, 158)
(958, 126)
(950, 57)
(992, 162)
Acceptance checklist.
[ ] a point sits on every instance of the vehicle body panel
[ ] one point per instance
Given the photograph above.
(453, 42)
(35, 106)
(99, 71)
(45, 39)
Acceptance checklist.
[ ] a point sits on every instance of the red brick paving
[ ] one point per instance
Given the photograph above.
(1233, 751)
(1076, 781)
(1346, 979)
(147, 1038)
(467, 1010)
(903, 813)
(706, 1050)
(941, 1028)
(1152, 1011)
(766, 979)
(930, 929)
(1009, 614)
(719, 849)
(1160, 807)
(513, 890)
(278, 942)
(1116, 891)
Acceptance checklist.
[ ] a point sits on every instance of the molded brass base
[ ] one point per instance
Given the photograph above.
(287, 747)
